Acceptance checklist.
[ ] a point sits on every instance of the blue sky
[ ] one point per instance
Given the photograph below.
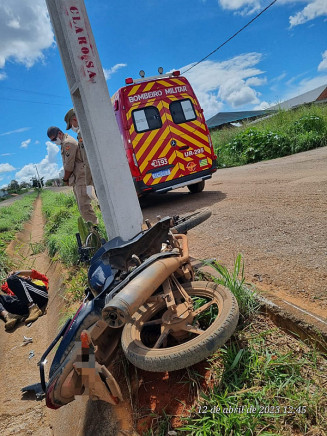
(281, 55)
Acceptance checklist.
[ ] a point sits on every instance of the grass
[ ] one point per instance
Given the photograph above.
(285, 133)
(12, 219)
(61, 213)
(266, 382)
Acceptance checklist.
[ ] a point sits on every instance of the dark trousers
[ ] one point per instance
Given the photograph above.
(25, 294)
(12, 305)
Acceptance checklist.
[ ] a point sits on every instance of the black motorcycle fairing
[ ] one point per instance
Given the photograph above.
(142, 245)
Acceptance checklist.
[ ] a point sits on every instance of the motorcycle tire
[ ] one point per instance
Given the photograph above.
(191, 350)
(188, 221)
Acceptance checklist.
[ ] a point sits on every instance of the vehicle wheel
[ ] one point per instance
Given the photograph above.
(155, 342)
(196, 187)
(187, 222)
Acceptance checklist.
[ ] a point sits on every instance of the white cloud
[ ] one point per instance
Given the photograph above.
(109, 72)
(246, 6)
(314, 9)
(263, 106)
(303, 86)
(37, 142)
(230, 82)
(25, 144)
(6, 168)
(323, 64)
(25, 31)
(3, 75)
(22, 129)
(7, 154)
(47, 168)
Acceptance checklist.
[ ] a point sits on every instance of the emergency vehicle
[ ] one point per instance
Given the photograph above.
(167, 141)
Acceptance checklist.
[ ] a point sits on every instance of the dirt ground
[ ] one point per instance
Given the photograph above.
(273, 212)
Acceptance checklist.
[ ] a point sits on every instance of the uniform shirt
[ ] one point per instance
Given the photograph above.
(72, 160)
(88, 174)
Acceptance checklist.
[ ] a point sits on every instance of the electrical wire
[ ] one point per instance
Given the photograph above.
(32, 92)
(29, 101)
(231, 37)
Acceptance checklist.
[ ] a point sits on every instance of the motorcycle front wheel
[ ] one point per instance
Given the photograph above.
(156, 342)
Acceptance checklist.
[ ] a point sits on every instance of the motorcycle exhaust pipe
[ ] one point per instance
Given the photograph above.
(121, 308)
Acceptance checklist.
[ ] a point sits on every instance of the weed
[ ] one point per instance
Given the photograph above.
(265, 381)
(11, 221)
(284, 133)
(61, 213)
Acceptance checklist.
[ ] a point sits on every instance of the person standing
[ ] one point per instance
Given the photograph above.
(72, 123)
(74, 171)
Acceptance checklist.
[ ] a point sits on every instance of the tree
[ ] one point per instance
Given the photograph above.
(13, 186)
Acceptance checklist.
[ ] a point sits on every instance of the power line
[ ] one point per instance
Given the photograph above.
(231, 37)
(32, 92)
(29, 101)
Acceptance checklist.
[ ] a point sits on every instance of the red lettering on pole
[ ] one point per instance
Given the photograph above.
(86, 49)
(82, 40)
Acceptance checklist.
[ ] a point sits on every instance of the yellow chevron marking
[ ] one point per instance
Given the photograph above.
(134, 90)
(131, 130)
(164, 83)
(182, 166)
(146, 143)
(165, 150)
(153, 150)
(181, 156)
(179, 82)
(173, 172)
(195, 132)
(186, 137)
(148, 86)
(147, 178)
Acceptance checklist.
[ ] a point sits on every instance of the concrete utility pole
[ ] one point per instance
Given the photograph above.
(88, 88)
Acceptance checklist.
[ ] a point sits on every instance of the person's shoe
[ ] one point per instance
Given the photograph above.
(11, 320)
(34, 313)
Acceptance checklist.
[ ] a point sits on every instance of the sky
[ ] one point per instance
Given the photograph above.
(280, 55)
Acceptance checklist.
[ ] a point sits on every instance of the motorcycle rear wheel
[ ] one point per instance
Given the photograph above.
(211, 328)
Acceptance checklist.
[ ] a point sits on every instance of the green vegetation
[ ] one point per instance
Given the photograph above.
(62, 215)
(11, 221)
(266, 382)
(285, 133)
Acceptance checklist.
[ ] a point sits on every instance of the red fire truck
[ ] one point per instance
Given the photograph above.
(165, 135)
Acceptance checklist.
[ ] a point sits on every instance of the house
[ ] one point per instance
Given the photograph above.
(317, 95)
(225, 119)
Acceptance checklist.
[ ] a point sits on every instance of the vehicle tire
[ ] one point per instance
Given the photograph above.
(196, 187)
(188, 221)
(138, 338)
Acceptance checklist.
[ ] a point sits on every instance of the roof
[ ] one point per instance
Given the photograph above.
(222, 118)
(317, 94)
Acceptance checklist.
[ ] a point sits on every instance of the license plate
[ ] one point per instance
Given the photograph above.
(162, 173)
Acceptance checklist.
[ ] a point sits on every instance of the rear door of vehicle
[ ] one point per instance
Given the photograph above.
(149, 133)
(188, 129)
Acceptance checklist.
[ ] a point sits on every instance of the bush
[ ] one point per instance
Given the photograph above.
(282, 134)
